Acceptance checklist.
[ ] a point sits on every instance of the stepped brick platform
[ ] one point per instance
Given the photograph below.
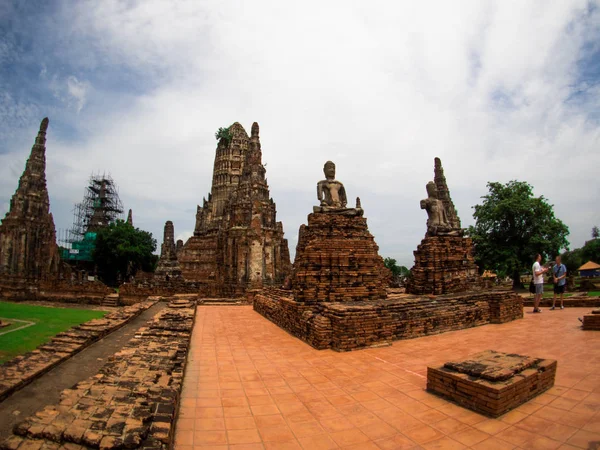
(444, 264)
(131, 403)
(492, 383)
(337, 260)
(344, 326)
(22, 370)
(592, 321)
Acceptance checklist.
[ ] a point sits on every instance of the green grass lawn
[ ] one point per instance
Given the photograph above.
(48, 323)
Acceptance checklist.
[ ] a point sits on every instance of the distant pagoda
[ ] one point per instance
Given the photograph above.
(27, 234)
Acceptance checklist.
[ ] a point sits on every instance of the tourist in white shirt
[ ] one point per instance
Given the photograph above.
(538, 281)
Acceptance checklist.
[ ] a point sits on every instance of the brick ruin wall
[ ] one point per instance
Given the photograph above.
(337, 260)
(489, 384)
(444, 265)
(16, 288)
(592, 321)
(147, 286)
(132, 401)
(353, 325)
(23, 369)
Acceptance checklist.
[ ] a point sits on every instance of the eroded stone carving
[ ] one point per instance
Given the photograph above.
(438, 223)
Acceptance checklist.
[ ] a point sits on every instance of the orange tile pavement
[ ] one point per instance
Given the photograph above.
(251, 385)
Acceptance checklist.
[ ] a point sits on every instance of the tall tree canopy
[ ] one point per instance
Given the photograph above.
(121, 250)
(512, 226)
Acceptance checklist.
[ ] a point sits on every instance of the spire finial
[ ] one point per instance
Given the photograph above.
(44, 125)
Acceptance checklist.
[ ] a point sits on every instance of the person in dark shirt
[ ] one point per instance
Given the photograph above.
(559, 273)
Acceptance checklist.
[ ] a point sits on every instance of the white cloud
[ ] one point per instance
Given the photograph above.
(380, 88)
(78, 90)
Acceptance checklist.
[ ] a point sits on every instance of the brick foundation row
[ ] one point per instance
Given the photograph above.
(22, 370)
(15, 289)
(576, 301)
(353, 325)
(131, 403)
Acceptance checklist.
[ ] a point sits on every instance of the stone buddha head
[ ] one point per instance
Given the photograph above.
(329, 170)
(432, 190)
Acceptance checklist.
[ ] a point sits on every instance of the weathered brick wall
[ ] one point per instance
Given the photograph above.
(575, 301)
(130, 293)
(22, 370)
(443, 265)
(505, 306)
(494, 386)
(300, 319)
(352, 325)
(14, 288)
(131, 403)
(337, 259)
(592, 321)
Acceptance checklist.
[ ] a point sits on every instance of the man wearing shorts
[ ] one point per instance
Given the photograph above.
(560, 280)
(538, 280)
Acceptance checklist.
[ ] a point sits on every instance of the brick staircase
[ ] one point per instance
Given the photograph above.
(111, 300)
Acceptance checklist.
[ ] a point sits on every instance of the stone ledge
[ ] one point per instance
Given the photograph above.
(347, 326)
(576, 301)
(132, 401)
(492, 383)
(22, 370)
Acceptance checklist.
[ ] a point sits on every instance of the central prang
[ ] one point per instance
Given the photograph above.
(332, 195)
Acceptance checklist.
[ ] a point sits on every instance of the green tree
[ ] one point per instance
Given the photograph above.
(121, 250)
(512, 226)
(573, 260)
(397, 271)
(591, 251)
(595, 232)
(223, 134)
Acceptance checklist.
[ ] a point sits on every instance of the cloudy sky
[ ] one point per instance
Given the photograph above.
(499, 90)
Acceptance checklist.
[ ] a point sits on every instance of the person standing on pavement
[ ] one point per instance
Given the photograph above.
(538, 280)
(559, 272)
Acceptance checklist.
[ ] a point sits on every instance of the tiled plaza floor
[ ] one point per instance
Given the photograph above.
(251, 385)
